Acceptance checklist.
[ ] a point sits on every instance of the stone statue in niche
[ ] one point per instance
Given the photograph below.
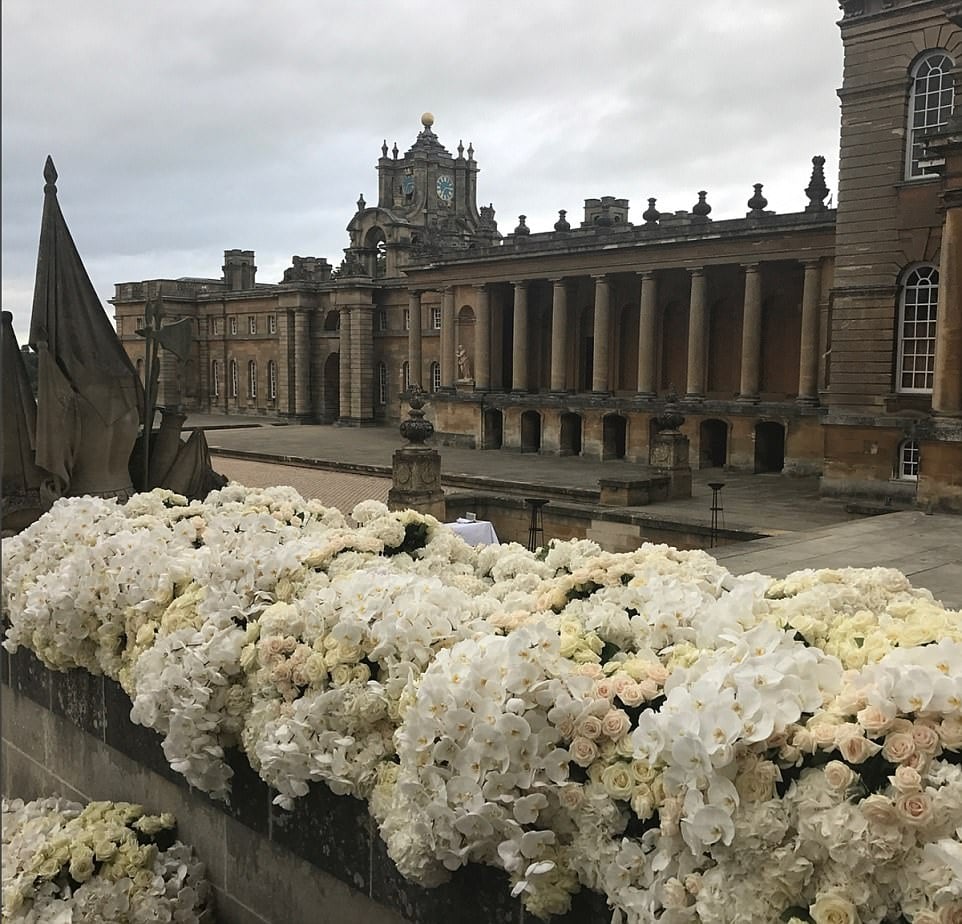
(464, 364)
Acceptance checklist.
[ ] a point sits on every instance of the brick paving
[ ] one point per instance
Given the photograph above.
(333, 489)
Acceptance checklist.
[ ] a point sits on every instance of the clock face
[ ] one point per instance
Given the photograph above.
(407, 184)
(445, 188)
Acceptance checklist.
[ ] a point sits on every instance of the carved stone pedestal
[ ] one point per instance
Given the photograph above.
(669, 454)
(417, 481)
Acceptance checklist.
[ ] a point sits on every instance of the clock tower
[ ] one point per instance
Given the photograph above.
(427, 207)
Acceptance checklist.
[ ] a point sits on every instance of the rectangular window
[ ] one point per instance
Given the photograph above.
(233, 325)
(252, 324)
(381, 320)
(140, 324)
(272, 380)
(252, 379)
(407, 318)
(272, 324)
(917, 324)
(436, 317)
(233, 378)
(215, 379)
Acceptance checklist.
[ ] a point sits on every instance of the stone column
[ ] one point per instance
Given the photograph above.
(647, 345)
(448, 345)
(344, 365)
(600, 378)
(697, 333)
(519, 364)
(302, 364)
(751, 334)
(414, 338)
(482, 340)
(559, 334)
(362, 363)
(947, 384)
(808, 351)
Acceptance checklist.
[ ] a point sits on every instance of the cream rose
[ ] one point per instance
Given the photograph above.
(879, 810)
(914, 808)
(832, 908)
(906, 779)
(589, 727)
(926, 738)
(571, 796)
(898, 747)
(950, 914)
(615, 723)
(856, 749)
(631, 694)
(874, 721)
(583, 751)
(618, 781)
(950, 731)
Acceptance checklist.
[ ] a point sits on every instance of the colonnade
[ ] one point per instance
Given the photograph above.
(601, 381)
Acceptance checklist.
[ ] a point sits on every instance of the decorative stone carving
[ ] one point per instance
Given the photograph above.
(416, 468)
(562, 224)
(464, 364)
(522, 229)
(701, 208)
(757, 203)
(651, 214)
(816, 189)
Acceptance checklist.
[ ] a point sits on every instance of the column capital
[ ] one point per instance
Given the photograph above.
(482, 286)
(520, 283)
(601, 277)
(558, 280)
(647, 275)
(811, 262)
(696, 270)
(751, 267)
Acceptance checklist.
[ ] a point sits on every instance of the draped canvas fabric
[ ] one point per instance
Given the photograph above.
(89, 392)
(18, 425)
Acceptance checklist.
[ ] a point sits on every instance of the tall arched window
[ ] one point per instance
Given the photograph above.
(930, 105)
(381, 383)
(251, 379)
(215, 378)
(435, 376)
(405, 375)
(233, 378)
(271, 379)
(917, 322)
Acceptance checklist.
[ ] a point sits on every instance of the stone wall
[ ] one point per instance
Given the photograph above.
(70, 734)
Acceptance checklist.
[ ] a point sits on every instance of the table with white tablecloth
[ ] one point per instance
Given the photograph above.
(475, 532)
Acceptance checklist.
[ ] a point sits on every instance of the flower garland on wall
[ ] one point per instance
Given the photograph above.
(103, 863)
(697, 746)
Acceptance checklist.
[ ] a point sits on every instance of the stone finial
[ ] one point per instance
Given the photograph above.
(470, 151)
(757, 203)
(427, 119)
(816, 189)
(701, 208)
(49, 175)
(384, 148)
(416, 430)
(361, 204)
(562, 224)
(460, 148)
(651, 214)
(394, 151)
(522, 228)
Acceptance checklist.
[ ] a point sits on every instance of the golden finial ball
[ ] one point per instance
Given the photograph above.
(427, 119)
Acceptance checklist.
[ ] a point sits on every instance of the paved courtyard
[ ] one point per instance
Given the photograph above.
(341, 466)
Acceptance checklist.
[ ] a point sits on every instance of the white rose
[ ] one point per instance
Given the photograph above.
(839, 776)
(833, 909)
(949, 914)
(631, 694)
(571, 796)
(926, 738)
(341, 675)
(874, 721)
(950, 731)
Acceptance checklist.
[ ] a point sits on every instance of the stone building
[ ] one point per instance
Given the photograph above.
(823, 341)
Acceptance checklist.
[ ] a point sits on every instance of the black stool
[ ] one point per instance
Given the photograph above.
(717, 511)
(536, 523)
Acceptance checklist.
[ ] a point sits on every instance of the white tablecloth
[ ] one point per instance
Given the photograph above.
(475, 532)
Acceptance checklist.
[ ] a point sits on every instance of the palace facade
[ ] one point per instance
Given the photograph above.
(826, 341)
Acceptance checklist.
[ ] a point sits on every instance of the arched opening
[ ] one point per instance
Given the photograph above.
(376, 247)
(769, 446)
(713, 444)
(570, 442)
(332, 321)
(331, 405)
(465, 337)
(614, 436)
(492, 436)
(530, 431)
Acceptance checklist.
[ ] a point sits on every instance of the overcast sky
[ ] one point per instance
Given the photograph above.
(181, 129)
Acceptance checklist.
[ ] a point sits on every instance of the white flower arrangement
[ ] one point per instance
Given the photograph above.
(697, 746)
(106, 863)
